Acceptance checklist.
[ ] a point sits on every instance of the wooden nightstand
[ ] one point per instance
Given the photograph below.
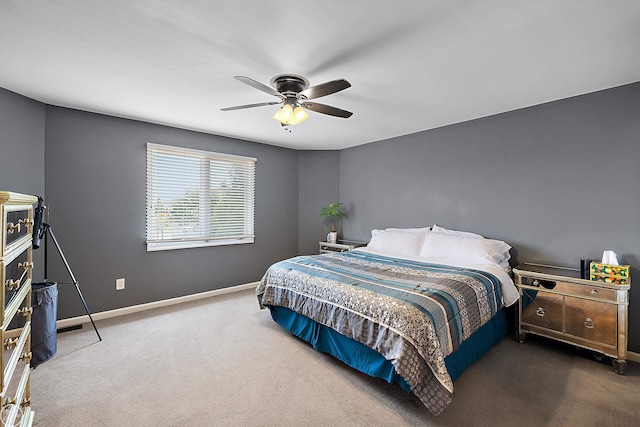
(556, 303)
(341, 246)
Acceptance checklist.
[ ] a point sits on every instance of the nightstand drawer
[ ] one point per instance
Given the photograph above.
(542, 309)
(341, 246)
(571, 288)
(585, 290)
(592, 320)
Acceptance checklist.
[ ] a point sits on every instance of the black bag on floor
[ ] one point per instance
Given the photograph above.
(44, 300)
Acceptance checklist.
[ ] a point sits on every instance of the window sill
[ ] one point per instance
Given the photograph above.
(168, 246)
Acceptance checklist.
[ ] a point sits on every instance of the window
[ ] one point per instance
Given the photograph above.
(198, 198)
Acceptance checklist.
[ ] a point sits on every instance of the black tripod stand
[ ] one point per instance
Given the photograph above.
(45, 229)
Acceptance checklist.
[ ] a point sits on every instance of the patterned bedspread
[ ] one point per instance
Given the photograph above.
(414, 314)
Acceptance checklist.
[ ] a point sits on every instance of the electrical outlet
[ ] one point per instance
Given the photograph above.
(119, 284)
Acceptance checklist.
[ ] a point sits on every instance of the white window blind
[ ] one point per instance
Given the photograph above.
(198, 198)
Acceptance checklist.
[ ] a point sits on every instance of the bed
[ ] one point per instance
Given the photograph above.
(415, 307)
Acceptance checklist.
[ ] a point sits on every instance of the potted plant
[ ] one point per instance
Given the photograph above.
(332, 212)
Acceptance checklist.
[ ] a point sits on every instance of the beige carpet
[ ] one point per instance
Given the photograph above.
(223, 362)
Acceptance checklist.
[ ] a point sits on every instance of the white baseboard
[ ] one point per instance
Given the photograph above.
(79, 320)
(634, 357)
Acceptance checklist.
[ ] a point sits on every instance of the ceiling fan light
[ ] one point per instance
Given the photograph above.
(299, 115)
(284, 115)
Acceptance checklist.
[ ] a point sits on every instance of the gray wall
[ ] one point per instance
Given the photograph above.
(21, 144)
(22, 150)
(556, 181)
(95, 184)
(319, 173)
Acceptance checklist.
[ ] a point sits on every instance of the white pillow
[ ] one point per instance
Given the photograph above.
(437, 229)
(467, 249)
(410, 230)
(401, 241)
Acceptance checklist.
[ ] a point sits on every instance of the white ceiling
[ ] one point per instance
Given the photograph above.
(413, 65)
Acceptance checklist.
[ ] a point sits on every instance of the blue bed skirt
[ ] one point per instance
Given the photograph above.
(372, 363)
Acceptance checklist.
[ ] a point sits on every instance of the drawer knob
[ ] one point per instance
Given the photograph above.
(540, 312)
(11, 227)
(26, 311)
(12, 284)
(26, 222)
(594, 292)
(10, 343)
(589, 323)
(25, 265)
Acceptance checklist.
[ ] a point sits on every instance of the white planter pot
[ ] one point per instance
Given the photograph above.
(332, 237)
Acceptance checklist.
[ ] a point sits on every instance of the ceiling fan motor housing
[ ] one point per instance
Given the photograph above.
(289, 84)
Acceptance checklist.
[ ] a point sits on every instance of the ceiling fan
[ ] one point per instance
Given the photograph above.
(294, 93)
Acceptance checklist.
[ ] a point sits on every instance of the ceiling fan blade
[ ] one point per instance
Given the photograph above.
(326, 109)
(325, 89)
(240, 107)
(259, 86)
